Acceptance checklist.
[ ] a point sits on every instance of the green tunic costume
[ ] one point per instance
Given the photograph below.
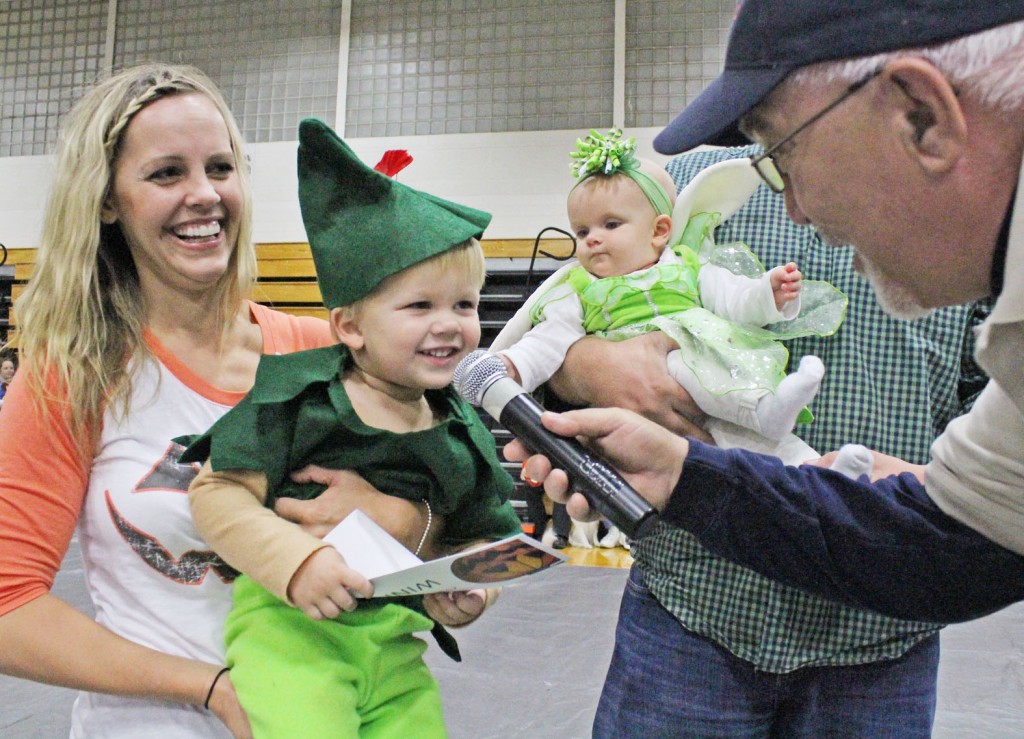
(298, 413)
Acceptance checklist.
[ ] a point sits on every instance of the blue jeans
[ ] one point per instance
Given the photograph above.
(665, 681)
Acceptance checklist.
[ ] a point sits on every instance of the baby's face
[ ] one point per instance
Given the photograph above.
(614, 224)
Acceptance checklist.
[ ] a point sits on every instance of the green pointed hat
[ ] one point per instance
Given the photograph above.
(363, 226)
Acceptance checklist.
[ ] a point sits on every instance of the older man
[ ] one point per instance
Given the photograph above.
(884, 122)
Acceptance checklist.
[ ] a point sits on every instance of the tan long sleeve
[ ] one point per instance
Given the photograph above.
(228, 510)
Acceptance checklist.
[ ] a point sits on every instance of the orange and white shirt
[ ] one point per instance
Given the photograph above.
(150, 576)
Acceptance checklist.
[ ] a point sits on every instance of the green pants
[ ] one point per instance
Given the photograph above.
(360, 675)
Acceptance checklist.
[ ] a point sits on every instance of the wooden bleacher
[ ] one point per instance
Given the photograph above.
(22, 261)
(287, 279)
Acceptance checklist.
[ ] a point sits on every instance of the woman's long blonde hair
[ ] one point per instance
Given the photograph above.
(82, 314)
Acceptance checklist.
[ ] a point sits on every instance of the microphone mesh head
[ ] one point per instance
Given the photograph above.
(476, 372)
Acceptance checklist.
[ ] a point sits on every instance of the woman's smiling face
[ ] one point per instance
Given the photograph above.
(176, 195)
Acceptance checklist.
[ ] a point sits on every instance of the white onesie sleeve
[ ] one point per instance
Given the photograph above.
(541, 350)
(742, 299)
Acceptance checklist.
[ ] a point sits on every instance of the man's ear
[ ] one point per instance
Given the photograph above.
(927, 114)
(345, 324)
(662, 230)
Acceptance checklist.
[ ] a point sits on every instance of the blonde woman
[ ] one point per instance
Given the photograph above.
(135, 329)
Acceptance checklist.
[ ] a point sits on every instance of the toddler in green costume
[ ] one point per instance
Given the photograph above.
(638, 273)
(401, 272)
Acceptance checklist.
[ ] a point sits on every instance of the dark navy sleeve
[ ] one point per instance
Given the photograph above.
(882, 546)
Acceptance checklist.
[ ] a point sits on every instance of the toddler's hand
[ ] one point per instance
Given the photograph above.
(458, 608)
(786, 281)
(321, 585)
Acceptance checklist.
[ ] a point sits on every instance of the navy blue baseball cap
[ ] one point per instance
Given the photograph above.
(771, 38)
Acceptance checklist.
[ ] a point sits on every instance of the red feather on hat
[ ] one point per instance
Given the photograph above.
(393, 162)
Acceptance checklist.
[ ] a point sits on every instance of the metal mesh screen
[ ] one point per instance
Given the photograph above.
(415, 66)
(49, 53)
(478, 66)
(673, 50)
(276, 61)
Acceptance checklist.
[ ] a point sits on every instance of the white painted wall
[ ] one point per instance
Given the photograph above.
(522, 178)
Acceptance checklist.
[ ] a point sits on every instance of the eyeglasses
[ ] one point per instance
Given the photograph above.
(763, 163)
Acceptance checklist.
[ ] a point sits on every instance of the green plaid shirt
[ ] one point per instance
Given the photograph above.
(890, 385)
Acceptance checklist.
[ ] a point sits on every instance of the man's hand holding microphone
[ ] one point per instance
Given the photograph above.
(649, 457)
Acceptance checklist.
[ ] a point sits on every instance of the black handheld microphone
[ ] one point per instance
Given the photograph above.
(482, 380)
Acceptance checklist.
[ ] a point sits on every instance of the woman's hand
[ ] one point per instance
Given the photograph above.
(225, 706)
(630, 374)
(347, 491)
(459, 608)
(648, 456)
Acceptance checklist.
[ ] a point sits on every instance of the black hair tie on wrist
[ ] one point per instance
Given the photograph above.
(206, 703)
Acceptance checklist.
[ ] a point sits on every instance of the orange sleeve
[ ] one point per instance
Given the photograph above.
(43, 482)
(284, 333)
(42, 485)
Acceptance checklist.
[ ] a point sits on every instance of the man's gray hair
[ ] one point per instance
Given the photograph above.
(987, 66)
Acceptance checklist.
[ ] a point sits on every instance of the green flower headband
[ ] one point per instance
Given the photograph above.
(606, 155)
